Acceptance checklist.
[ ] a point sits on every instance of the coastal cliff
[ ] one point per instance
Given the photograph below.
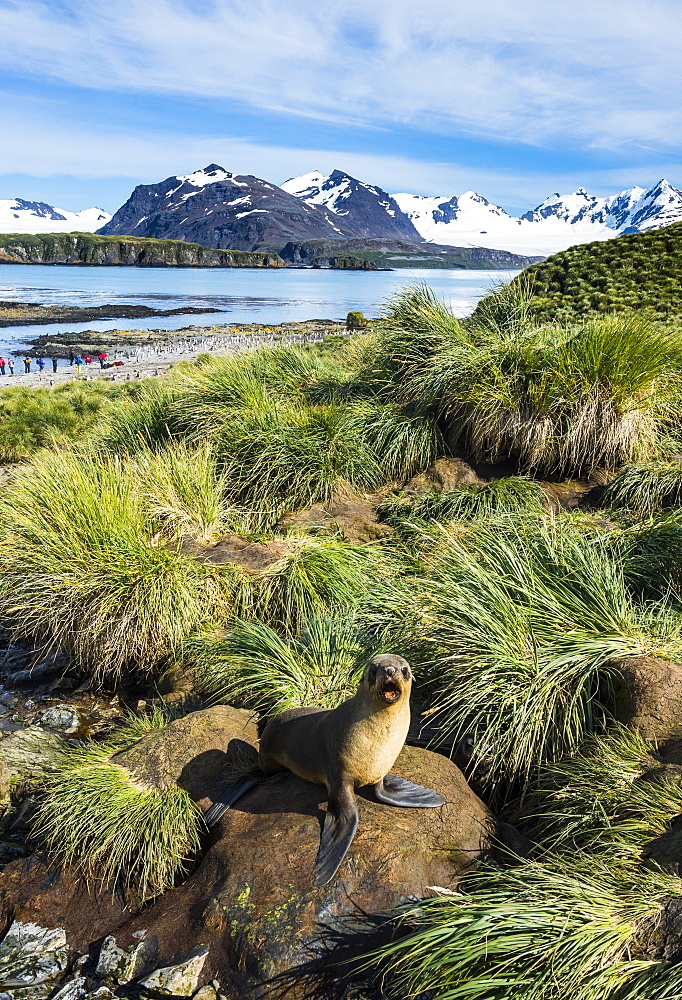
(122, 251)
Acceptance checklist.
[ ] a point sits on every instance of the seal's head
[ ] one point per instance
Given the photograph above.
(388, 678)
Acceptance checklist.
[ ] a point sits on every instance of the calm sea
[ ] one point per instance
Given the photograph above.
(246, 296)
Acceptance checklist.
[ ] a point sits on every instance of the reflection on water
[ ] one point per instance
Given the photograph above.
(245, 295)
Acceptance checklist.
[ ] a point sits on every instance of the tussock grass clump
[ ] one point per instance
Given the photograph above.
(92, 813)
(81, 569)
(400, 442)
(183, 491)
(288, 457)
(41, 417)
(564, 928)
(514, 495)
(524, 621)
(316, 576)
(596, 800)
(652, 556)
(253, 664)
(146, 421)
(645, 489)
(556, 399)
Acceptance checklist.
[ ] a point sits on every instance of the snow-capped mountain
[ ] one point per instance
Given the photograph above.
(219, 209)
(20, 216)
(368, 209)
(559, 222)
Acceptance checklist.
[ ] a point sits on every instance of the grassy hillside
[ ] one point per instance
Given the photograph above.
(642, 271)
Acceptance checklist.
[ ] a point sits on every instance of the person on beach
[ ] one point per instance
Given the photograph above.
(41, 364)
(72, 356)
(102, 358)
(10, 365)
(27, 366)
(87, 358)
(54, 364)
(2, 366)
(79, 363)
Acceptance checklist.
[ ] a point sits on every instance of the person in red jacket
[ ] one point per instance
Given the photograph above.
(102, 358)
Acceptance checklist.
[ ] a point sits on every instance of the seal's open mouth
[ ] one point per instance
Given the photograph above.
(390, 691)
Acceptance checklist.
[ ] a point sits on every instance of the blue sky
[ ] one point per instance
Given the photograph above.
(515, 99)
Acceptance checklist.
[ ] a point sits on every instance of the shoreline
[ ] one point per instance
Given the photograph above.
(145, 356)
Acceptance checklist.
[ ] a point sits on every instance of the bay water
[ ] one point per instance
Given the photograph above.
(244, 295)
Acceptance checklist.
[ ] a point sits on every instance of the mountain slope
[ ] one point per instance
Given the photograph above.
(371, 211)
(220, 209)
(20, 216)
(557, 223)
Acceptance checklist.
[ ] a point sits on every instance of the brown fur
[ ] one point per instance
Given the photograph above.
(356, 743)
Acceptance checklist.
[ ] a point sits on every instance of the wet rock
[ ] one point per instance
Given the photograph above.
(206, 993)
(10, 851)
(28, 752)
(179, 980)
(61, 717)
(649, 696)
(31, 954)
(124, 964)
(444, 474)
(5, 779)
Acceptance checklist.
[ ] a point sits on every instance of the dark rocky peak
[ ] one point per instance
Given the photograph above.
(40, 208)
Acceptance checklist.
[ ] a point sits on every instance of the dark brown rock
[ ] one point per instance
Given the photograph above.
(444, 474)
(253, 557)
(649, 697)
(252, 900)
(346, 514)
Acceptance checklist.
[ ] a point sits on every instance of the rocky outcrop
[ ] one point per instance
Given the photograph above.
(649, 696)
(113, 251)
(387, 252)
(250, 915)
(192, 752)
(442, 475)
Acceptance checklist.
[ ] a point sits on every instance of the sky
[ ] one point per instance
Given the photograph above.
(515, 99)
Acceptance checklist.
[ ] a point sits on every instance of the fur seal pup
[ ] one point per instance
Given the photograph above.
(352, 746)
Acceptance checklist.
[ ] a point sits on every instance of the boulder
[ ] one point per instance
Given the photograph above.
(444, 474)
(649, 696)
(192, 752)
(31, 954)
(29, 751)
(252, 903)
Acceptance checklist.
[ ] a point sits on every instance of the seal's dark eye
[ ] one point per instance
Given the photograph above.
(406, 672)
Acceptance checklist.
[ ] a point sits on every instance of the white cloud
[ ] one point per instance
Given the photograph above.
(51, 144)
(607, 74)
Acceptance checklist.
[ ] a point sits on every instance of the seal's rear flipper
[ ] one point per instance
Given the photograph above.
(395, 791)
(340, 824)
(230, 795)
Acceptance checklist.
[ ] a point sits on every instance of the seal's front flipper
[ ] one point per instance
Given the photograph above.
(395, 791)
(340, 824)
(230, 795)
